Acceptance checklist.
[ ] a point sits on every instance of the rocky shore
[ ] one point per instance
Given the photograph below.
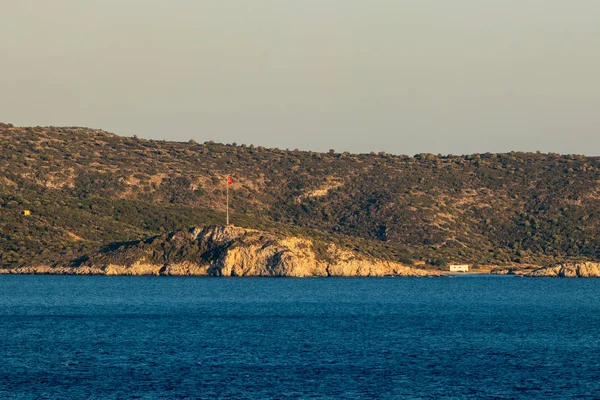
(569, 270)
(563, 270)
(231, 251)
(511, 271)
(228, 251)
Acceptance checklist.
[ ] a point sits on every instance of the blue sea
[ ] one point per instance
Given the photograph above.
(493, 337)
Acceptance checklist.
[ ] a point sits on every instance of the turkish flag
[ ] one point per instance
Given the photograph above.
(229, 180)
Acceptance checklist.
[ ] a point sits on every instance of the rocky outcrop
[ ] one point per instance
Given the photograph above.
(569, 270)
(229, 251)
(504, 271)
(515, 270)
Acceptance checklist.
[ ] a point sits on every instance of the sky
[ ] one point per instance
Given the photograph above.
(400, 76)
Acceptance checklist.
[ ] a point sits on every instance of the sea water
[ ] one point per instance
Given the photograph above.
(245, 338)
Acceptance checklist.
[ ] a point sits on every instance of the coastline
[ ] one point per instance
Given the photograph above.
(207, 272)
(357, 269)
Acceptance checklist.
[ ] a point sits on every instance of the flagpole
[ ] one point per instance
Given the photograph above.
(227, 183)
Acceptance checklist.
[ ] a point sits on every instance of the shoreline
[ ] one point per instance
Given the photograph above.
(202, 273)
(570, 270)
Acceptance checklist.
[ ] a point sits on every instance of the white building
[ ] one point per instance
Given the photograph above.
(459, 268)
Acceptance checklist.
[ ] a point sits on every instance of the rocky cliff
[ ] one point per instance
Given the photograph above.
(228, 251)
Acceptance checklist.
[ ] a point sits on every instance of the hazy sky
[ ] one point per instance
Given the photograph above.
(402, 76)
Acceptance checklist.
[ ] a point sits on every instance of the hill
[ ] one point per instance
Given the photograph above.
(88, 188)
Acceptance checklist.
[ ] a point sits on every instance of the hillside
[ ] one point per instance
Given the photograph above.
(88, 188)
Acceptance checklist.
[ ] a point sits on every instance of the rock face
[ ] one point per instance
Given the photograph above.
(228, 251)
(569, 270)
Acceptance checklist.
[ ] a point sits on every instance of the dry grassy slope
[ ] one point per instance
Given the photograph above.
(89, 187)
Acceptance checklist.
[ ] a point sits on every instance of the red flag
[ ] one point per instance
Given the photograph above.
(229, 180)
